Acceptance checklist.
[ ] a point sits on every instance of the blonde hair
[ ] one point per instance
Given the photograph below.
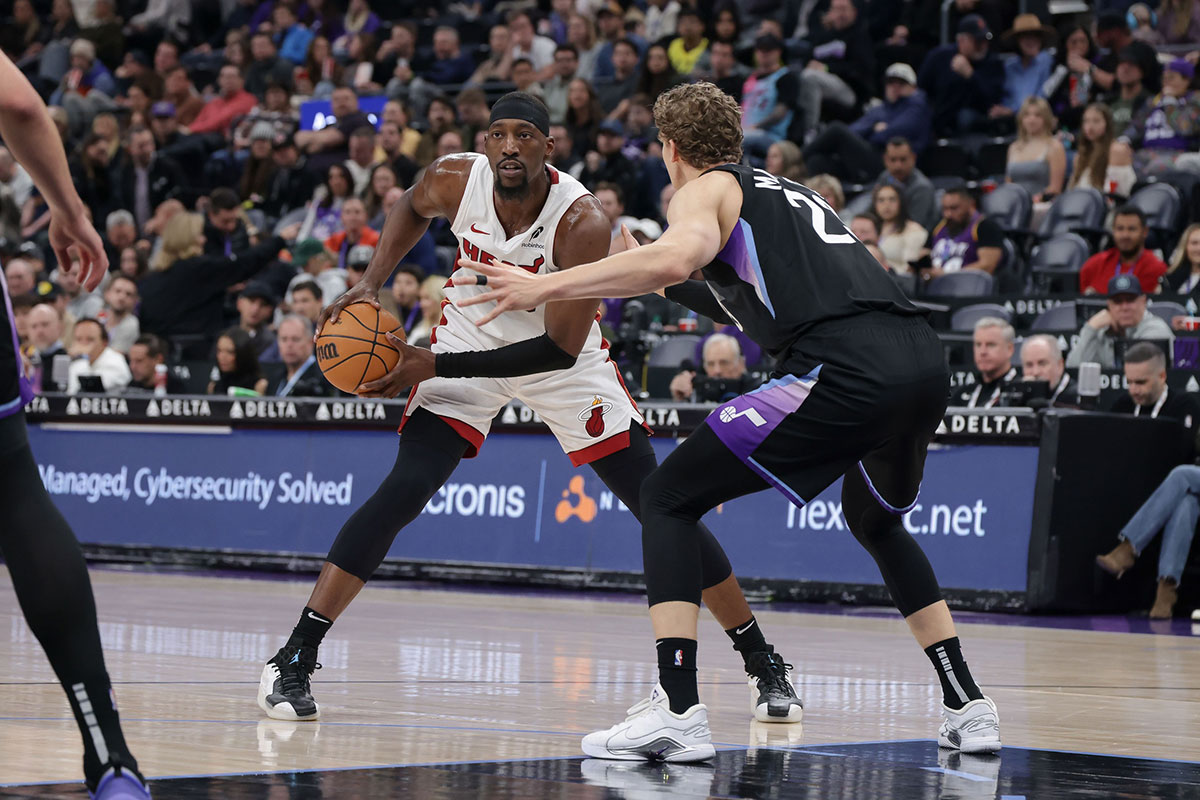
(793, 160)
(434, 286)
(1179, 258)
(1049, 122)
(827, 183)
(180, 240)
(704, 123)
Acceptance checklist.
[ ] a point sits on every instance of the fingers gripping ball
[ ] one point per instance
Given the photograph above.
(354, 350)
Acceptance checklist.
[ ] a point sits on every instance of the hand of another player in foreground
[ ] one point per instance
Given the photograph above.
(72, 231)
(361, 293)
(511, 288)
(416, 364)
(623, 241)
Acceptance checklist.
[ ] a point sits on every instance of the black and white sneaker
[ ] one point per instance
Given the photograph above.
(284, 690)
(772, 696)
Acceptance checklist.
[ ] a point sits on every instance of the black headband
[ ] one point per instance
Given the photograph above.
(517, 105)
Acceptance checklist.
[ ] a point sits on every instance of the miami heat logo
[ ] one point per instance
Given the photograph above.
(593, 416)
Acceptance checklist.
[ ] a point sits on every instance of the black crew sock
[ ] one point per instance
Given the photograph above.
(310, 630)
(677, 672)
(958, 687)
(94, 706)
(748, 638)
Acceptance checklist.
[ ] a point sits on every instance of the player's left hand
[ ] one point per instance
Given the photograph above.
(416, 364)
(511, 288)
(73, 232)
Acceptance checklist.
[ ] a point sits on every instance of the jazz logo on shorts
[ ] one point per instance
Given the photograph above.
(593, 416)
(729, 414)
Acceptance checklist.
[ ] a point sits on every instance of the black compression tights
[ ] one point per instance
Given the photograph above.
(51, 581)
(702, 473)
(428, 453)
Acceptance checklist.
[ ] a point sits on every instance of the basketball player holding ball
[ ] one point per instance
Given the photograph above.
(861, 386)
(507, 206)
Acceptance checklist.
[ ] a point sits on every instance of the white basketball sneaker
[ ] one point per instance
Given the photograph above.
(651, 732)
(974, 728)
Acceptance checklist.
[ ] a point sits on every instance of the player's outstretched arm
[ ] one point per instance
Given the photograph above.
(691, 241)
(34, 142)
(436, 194)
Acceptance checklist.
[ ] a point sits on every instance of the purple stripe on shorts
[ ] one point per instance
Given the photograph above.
(13, 406)
(879, 498)
(746, 421)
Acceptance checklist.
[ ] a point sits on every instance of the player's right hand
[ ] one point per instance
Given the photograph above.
(72, 231)
(361, 293)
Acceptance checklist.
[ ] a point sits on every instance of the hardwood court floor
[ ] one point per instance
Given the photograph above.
(424, 676)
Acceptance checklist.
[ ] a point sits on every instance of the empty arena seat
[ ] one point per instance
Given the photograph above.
(1166, 309)
(1075, 210)
(1161, 204)
(965, 318)
(967, 283)
(992, 159)
(945, 158)
(673, 351)
(1010, 205)
(1059, 318)
(1059, 259)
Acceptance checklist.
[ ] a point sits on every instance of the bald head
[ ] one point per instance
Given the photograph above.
(1041, 359)
(45, 326)
(20, 276)
(723, 357)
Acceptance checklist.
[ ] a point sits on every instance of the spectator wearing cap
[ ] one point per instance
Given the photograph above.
(357, 261)
(317, 265)
(144, 357)
(354, 232)
(255, 307)
(842, 68)
(555, 88)
(607, 163)
(769, 99)
(1027, 70)
(301, 377)
(855, 153)
(1113, 36)
(292, 183)
(45, 325)
(146, 179)
(687, 50)
(93, 358)
(1164, 129)
(1124, 319)
(1127, 256)
(963, 80)
(1129, 92)
(164, 124)
(232, 101)
(450, 64)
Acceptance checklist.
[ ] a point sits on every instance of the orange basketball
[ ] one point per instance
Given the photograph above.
(355, 349)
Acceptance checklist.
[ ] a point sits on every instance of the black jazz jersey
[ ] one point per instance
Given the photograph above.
(790, 265)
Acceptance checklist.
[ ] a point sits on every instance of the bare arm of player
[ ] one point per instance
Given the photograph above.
(436, 194)
(33, 139)
(697, 228)
(581, 238)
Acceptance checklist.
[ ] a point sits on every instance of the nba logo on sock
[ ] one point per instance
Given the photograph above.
(679, 658)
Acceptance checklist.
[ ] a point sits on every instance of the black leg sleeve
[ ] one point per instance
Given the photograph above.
(51, 581)
(428, 453)
(901, 561)
(623, 473)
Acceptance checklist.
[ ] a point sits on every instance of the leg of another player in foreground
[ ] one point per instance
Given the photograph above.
(772, 695)
(428, 453)
(50, 578)
(702, 473)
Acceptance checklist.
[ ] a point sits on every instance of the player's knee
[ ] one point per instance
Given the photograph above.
(654, 496)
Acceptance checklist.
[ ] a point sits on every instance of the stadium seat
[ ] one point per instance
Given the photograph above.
(1059, 259)
(1059, 318)
(1010, 205)
(967, 283)
(1079, 211)
(965, 318)
(945, 158)
(1166, 309)
(1161, 204)
(673, 351)
(992, 159)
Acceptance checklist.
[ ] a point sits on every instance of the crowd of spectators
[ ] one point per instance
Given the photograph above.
(240, 158)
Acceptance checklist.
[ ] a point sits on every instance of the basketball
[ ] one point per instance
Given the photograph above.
(354, 350)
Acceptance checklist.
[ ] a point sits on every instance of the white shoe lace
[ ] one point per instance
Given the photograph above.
(643, 706)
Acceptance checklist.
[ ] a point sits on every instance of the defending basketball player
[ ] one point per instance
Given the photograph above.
(48, 572)
(861, 387)
(505, 206)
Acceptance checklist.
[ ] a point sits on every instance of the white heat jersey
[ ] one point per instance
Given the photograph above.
(481, 238)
